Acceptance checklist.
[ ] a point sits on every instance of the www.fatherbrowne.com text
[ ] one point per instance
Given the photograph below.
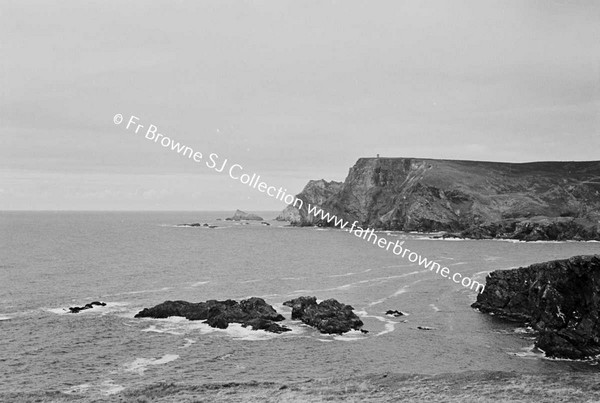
(236, 172)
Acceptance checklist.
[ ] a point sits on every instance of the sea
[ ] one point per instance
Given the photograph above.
(50, 261)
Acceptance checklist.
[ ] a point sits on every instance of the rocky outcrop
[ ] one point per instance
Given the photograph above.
(329, 316)
(560, 299)
(526, 201)
(197, 224)
(395, 313)
(253, 312)
(316, 193)
(77, 309)
(242, 215)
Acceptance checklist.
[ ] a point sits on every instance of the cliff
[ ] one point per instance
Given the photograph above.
(527, 201)
(560, 299)
(316, 193)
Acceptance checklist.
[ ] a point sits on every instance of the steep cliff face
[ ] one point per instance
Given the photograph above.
(316, 193)
(561, 300)
(529, 201)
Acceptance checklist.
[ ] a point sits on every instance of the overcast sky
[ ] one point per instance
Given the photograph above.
(291, 90)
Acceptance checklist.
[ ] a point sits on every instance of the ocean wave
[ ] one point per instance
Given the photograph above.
(199, 283)
(140, 365)
(106, 388)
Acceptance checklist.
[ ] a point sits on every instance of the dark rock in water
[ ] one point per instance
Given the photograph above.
(242, 215)
(267, 325)
(197, 224)
(77, 309)
(329, 316)
(229, 219)
(560, 299)
(253, 312)
(265, 223)
(213, 226)
(394, 313)
(470, 199)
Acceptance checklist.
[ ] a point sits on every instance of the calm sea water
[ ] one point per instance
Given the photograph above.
(50, 261)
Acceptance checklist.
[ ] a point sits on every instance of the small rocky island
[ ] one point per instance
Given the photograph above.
(560, 299)
(91, 305)
(330, 316)
(242, 215)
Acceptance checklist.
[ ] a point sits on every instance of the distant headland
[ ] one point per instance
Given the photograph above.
(469, 199)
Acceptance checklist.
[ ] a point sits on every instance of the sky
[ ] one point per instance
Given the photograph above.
(290, 90)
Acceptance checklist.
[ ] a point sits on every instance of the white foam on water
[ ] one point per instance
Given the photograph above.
(154, 329)
(352, 335)
(342, 275)
(389, 325)
(435, 308)
(529, 352)
(238, 332)
(379, 301)
(279, 307)
(188, 342)
(79, 389)
(400, 291)
(181, 326)
(397, 266)
(106, 388)
(140, 365)
(524, 330)
(199, 283)
(111, 388)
